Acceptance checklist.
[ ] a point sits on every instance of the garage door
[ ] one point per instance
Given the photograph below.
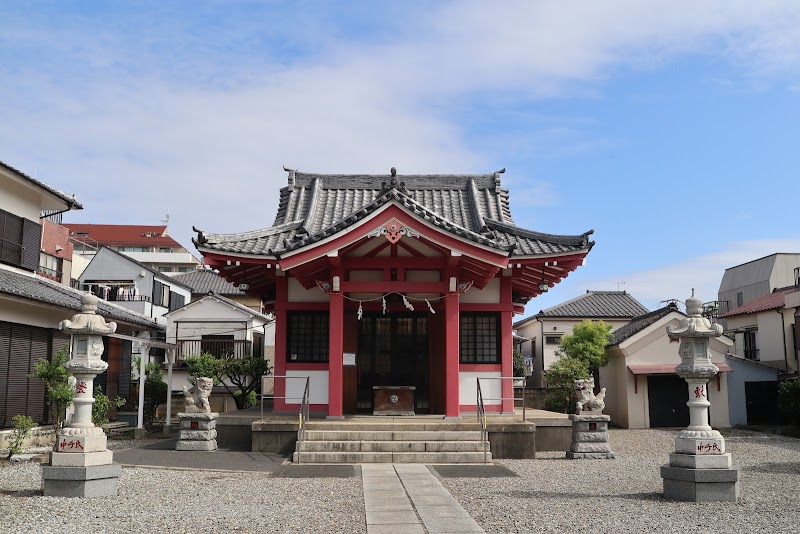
(762, 402)
(667, 397)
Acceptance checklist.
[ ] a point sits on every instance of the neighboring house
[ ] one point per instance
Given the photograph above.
(394, 280)
(205, 281)
(764, 330)
(33, 301)
(222, 327)
(113, 276)
(749, 281)
(752, 392)
(642, 389)
(544, 330)
(151, 246)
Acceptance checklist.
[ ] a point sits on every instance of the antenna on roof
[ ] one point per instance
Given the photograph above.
(620, 284)
(165, 220)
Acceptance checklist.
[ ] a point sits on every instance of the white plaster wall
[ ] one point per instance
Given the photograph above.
(297, 293)
(468, 387)
(21, 313)
(318, 387)
(488, 295)
(771, 329)
(18, 199)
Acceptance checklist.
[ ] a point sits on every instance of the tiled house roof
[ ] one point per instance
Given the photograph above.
(773, 301)
(641, 322)
(315, 206)
(123, 234)
(598, 304)
(42, 290)
(205, 281)
(69, 200)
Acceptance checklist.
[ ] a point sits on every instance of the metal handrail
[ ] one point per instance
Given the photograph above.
(304, 415)
(305, 404)
(501, 399)
(482, 421)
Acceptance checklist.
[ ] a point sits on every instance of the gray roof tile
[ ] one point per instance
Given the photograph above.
(641, 322)
(205, 281)
(315, 206)
(598, 304)
(45, 291)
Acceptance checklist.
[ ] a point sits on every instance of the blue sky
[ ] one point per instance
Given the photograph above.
(671, 128)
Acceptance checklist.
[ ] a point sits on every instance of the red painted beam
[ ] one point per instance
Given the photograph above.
(400, 287)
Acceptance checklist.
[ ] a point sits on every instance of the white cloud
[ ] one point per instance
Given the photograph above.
(703, 273)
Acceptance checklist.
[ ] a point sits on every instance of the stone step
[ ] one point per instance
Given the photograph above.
(406, 426)
(391, 457)
(391, 435)
(393, 446)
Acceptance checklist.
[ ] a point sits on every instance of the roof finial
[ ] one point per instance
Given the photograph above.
(394, 172)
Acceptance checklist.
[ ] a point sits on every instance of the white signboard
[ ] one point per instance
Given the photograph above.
(349, 358)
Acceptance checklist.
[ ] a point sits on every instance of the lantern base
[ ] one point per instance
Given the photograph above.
(700, 485)
(700, 446)
(93, 481)
(702, 461)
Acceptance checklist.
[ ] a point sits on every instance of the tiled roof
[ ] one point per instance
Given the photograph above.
(598, 304)
(122, 234)
(315, 206)
(641, 322)
(38, 289)
(773, 301)
(68, 199)
(205, 281)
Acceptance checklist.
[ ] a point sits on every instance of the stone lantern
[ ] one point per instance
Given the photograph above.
(81, 465)
(699, 469)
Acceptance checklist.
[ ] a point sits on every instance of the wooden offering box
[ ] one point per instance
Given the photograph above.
(393, 400)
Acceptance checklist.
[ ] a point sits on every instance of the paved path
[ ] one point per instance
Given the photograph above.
(408, 499)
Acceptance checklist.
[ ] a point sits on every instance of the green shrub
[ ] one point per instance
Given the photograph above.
(22, 429)
(520, 368)
(59, 390)
(250, 399)
(155, 390)
(560, 378)
(103, 405)
(789, 400)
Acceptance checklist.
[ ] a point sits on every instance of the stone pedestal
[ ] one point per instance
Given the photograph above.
(90, 481)
(701, 485)
(590, 437)
(198, 432)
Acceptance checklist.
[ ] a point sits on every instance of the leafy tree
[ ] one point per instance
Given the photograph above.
(241, 377)
(789, 400)
(60, 391)
(588, 342)
(580, 355)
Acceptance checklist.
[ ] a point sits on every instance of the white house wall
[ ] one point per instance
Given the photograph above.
(653, 347)
(772, 327)
(20, 200)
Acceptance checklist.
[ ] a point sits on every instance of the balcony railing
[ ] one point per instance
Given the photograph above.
(221, 348)
(52, 274)
(715, 308)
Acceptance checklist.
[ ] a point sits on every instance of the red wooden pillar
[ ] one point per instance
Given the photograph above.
(507, 343)
(335, 355)
(281, 327)
(451, 364)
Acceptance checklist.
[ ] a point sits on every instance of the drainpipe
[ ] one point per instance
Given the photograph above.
(783, 330)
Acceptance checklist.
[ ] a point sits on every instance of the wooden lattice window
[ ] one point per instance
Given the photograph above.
(480, 337)
(307, 337)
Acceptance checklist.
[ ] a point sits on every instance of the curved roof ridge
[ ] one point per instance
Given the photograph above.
(578, 240)
(204, 238)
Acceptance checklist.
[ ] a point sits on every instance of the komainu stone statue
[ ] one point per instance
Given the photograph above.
(196, 398)
(588, 402)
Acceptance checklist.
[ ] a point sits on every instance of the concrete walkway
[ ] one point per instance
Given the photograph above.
(408, 499)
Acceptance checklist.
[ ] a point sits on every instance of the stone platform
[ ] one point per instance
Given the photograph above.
(701, 485)
(90, 481)
(590, 438)
(198, 432)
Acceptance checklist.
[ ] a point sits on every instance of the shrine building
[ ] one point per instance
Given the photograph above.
(407, 281)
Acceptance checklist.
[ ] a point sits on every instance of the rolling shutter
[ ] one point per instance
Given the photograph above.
(31, 244)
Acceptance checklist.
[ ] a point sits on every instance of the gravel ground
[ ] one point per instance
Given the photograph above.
(552, 494)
